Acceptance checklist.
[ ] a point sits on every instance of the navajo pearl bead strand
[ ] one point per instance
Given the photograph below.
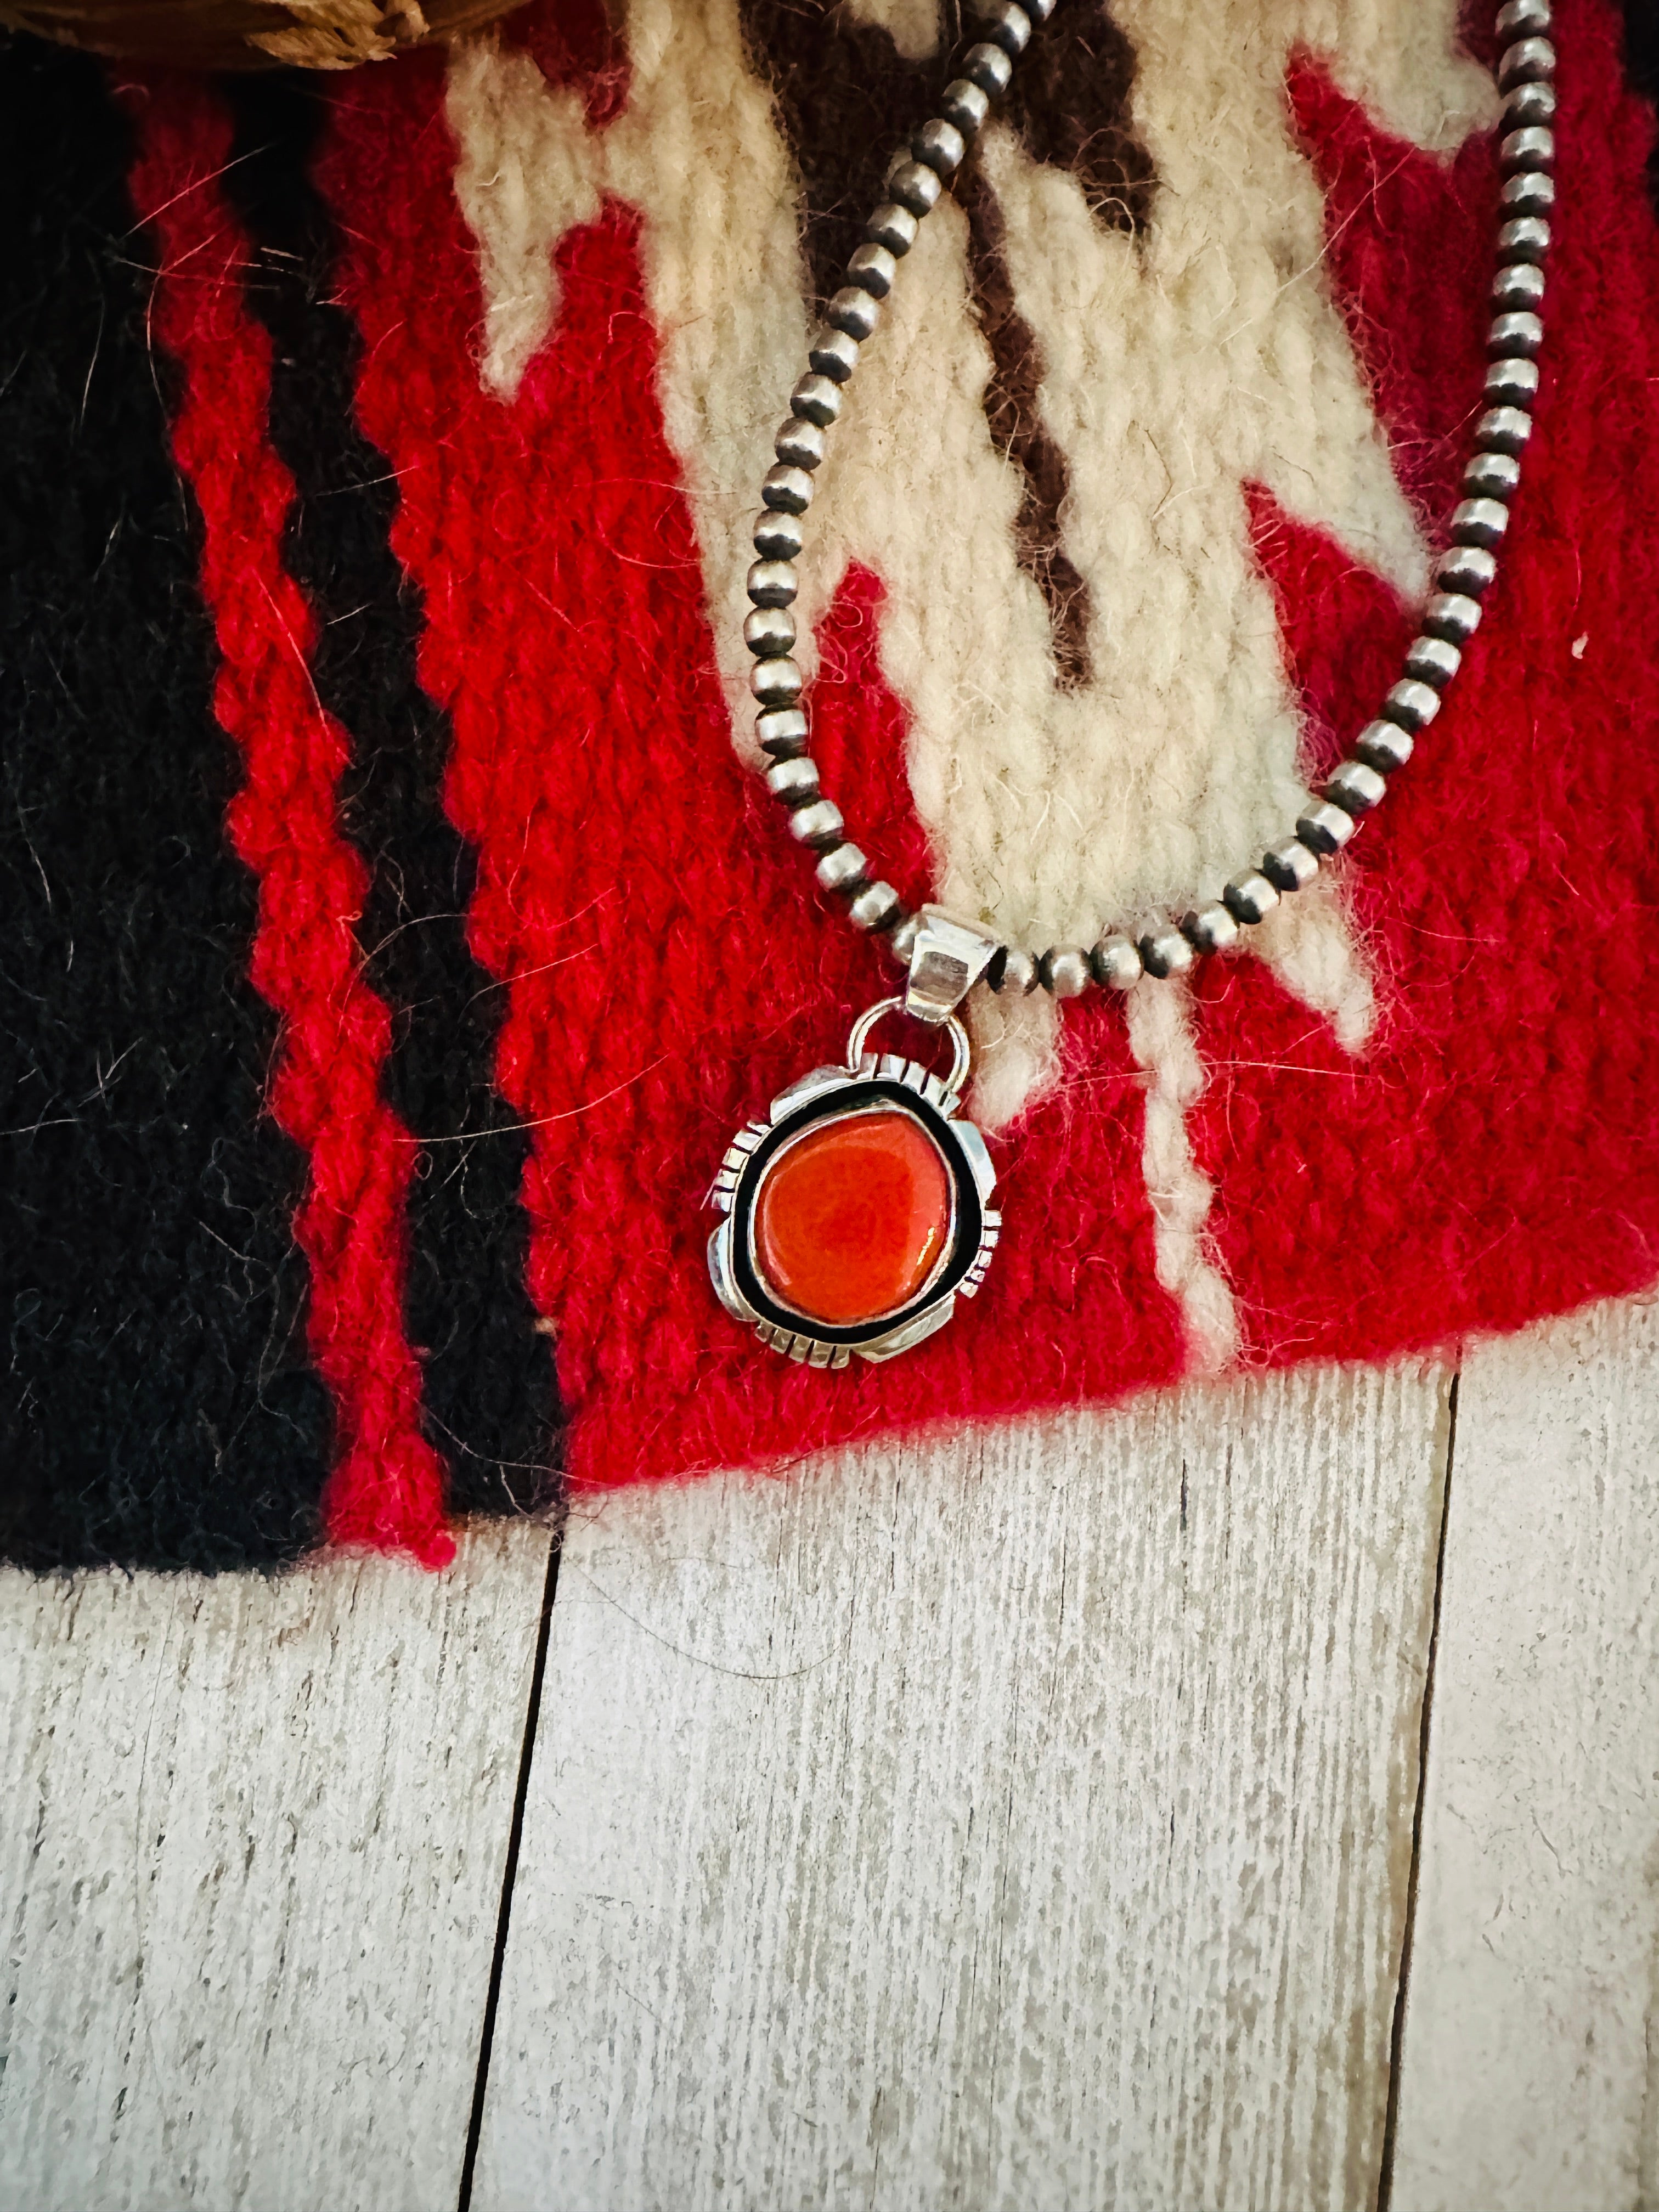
(1462, 575)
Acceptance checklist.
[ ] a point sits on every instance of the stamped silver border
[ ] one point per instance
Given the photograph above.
(972, 1161)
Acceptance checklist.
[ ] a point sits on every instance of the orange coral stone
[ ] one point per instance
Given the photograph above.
(852, 1218)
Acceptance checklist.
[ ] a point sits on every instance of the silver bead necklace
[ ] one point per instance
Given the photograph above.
(857, 1212)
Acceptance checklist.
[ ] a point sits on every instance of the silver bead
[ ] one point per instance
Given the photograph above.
(1512, 382)
(1007, 26)
(1519, 284)
(1478, 522)
(1210, 928)
(1503, 430)
(1384, 746)
(872, 268)
(853, 312)
(1466, 569)
(1250, 897)
(939, 146)
(815, 399)
(769, 631)
(773, 583)
(1529, 61)
(1528, 103)
(1532, 192)
(1411, 704)
(902, 939)
(1433, 661)
(788, 489)
(1116, 963)
(833, 353)
(1492, 475)
(1289, 867)
(1164, 952)
(776, 683)
(1527, 238)
(1520, 332)
(778, 536)
(914, 185)
(965, 106)
(843, 868)
(798, 444)
(893, 226)
(1356, 787)
(1531, 148)
(1453, 615)
(1063, 971)
(793, 781)
(818, 824)
(1324, 827)
(989, 68)
(782, 732)
(1522, 18)
(1014, 974)
(874, 907)
(1038, 10)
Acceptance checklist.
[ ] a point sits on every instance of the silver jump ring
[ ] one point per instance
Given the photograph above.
(962, 1055)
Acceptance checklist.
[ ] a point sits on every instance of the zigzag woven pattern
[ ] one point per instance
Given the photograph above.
(395, 933)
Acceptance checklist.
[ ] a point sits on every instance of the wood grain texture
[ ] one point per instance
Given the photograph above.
(1530, 2073)
(1021, 1819)
(250, 1869)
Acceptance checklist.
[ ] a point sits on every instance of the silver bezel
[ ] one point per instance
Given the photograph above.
(820, 1096)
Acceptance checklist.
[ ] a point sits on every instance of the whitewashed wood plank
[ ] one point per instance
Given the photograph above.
(250, 1860)
(1018, 1819)
(1530, 2060)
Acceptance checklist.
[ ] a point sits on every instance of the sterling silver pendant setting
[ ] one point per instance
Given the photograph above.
(859, 1212)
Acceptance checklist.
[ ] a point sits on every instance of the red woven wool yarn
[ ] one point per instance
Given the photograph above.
(668, 972)
(464, 361)
(1496, 1154)
(387, 1488)
(1488, 1155)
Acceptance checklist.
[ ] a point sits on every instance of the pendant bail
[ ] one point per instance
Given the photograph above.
(949, 957)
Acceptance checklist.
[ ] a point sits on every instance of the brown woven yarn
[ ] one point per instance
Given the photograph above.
(323, 34)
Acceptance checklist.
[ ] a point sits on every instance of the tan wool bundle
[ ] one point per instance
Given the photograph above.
(324, 35)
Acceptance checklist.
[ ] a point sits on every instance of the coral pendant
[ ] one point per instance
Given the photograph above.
(855, 1213)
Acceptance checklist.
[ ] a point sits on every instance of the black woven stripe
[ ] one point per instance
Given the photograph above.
(157, 1406)
(1641, 64)
(490, 1393)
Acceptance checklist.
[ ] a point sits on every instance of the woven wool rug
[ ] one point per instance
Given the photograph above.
(394, 935)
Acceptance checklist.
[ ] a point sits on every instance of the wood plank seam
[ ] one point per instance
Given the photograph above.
(1527, 2068)
(1396, 2039)
(251, 1883)
(514, 1837)
(828, 1892)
